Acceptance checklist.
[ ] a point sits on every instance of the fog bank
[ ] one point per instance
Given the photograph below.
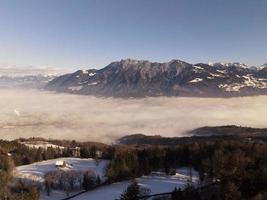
(27, 113)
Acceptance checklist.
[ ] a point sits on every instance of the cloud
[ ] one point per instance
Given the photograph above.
(87, 118)
(17, 112)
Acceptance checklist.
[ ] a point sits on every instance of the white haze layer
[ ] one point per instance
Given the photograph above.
(87, 118)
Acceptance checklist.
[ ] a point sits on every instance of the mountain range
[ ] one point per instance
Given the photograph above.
(140, 78)
(25, 81)
(12, 76)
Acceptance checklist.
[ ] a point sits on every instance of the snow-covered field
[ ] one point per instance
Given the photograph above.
(36, 171)
(157, 184)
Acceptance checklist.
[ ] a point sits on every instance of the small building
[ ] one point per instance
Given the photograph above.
(60, 163)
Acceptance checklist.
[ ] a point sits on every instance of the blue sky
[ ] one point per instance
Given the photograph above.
(92, 33)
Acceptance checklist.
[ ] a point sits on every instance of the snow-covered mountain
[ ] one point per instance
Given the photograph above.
(140, 78)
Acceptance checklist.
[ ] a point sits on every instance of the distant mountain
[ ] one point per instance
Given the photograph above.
(139, 78)
(264, 65)
(228, 130)
(234, 64)
(19, 71)
(26, 81)
(27, 76)
(204, 134)
(263, 72)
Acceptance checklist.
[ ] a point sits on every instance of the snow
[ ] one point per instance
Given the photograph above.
(92, 74)
(221, 71)
(157, 184)
(87, 72)
(198, 69)
(75, 88)
(36, 171)
(216, 75)
(209, 77)
(248, 81)
(93, 83)
(195, 80)
(84, 71)
(235, 87)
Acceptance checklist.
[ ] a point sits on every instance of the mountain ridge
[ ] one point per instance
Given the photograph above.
(202, 134)
(141, 78)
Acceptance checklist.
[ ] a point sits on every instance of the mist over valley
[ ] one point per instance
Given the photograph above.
(35, 113)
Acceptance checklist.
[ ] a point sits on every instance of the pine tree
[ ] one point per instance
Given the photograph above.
(132, 192)
(88, 180)
(176, 194)
(231, 192)
(48, 183)
(98, 180)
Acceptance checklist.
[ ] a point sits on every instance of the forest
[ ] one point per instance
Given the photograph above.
(237, 168)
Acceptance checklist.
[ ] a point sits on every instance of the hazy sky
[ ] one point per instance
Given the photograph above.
(92, 33)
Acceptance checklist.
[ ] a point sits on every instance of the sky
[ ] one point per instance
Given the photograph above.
(93, 33)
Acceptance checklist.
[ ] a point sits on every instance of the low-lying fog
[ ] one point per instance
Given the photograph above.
(26, 113)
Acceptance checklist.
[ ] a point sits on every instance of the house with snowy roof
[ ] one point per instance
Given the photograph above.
(60, 163)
